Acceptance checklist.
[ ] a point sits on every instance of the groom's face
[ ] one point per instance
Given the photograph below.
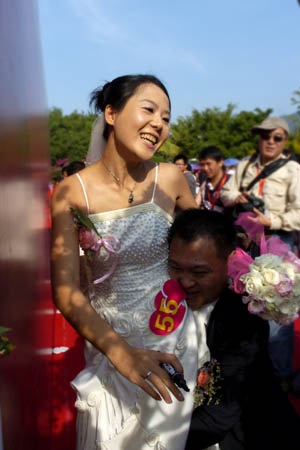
(199, 268)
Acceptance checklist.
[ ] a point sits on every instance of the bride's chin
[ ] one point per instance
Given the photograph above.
(146, 155)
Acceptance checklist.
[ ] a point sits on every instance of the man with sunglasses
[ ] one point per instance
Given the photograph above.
(279, 191)
(280, 195)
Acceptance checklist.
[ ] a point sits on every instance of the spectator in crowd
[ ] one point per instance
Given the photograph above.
(73, 167)
(230, 165)
(278, 190)
(211, 163)
(181, 162)
(276, 196)
(246, 408)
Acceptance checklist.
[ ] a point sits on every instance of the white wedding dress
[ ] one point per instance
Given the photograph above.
(113, 413)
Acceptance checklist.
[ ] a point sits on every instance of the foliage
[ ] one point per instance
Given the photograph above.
(5, 345)
(296, 100)
(230, 132)
(69, 135)
(294, 120)
(167, 152)
(294, 142)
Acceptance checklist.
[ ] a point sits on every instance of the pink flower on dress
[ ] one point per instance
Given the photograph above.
(89, 240)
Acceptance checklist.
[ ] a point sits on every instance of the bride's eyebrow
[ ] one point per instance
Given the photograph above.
(154, 104)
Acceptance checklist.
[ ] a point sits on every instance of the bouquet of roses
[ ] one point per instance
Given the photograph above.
(271, 281)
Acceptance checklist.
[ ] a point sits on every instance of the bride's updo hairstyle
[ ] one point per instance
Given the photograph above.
(117, 92)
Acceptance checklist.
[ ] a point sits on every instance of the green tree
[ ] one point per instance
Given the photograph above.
(167, 152)
(296, 100)
(230, 132)
(69, 134)
(294, 119)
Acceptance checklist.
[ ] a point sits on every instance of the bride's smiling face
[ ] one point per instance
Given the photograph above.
(142, 125)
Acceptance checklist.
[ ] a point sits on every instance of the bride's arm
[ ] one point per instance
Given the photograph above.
(174, 185)
(131, 362)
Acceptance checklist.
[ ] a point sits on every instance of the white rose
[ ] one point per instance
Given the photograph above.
(253, 284)
(289, 308)
(270, 295)
(271, 276)
(289, 270)
(267, 261)
(296, 290)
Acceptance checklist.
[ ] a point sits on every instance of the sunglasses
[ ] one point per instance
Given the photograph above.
(267, 137)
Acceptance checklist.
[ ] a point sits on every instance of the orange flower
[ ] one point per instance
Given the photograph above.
(203, 378)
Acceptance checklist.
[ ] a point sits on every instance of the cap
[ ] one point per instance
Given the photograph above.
(271, 123)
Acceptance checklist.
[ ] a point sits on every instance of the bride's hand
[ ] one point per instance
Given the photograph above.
(140, 366)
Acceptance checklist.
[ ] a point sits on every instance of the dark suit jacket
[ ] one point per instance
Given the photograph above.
(253, 412)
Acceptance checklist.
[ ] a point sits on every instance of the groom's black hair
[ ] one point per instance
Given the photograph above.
(192, 224)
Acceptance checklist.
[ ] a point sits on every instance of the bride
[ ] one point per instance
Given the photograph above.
(125, 399)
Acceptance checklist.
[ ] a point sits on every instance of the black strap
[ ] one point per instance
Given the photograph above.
(267, 170)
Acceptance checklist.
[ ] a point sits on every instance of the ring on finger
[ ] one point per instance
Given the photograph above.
(148, 374)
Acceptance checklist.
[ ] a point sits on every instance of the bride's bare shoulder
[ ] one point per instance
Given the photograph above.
(170, 171)
(69, 191)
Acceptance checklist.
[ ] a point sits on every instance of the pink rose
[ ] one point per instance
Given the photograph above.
(239, 286)
(89, 240)
(285, 285)
(256, 306)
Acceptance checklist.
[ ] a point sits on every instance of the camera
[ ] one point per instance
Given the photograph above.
(253, 202)
(256, 202)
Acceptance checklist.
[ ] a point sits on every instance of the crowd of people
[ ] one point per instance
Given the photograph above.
(157, 307)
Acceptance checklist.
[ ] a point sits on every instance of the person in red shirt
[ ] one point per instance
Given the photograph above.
(211, 163)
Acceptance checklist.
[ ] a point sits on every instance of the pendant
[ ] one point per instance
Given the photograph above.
(130, 198)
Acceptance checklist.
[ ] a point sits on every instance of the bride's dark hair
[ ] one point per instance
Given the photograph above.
(118, 91)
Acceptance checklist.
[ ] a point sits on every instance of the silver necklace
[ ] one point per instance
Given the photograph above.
(131, 196)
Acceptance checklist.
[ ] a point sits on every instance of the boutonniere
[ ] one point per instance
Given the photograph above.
(91, 241)
(208, 384)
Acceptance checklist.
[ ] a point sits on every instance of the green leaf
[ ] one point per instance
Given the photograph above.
(4, 330)
(5, 346)
(84, 220)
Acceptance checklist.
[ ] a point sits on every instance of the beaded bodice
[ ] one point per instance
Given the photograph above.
(142, 263)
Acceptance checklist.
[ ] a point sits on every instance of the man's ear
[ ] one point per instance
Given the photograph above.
(110, 114)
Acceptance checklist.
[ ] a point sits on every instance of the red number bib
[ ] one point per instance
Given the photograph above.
(169, 310)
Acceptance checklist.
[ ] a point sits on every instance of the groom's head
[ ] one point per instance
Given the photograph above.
(200, 242)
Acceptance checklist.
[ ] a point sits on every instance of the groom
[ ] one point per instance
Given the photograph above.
(248, 409)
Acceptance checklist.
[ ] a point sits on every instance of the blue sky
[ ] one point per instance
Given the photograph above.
(208, 53)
